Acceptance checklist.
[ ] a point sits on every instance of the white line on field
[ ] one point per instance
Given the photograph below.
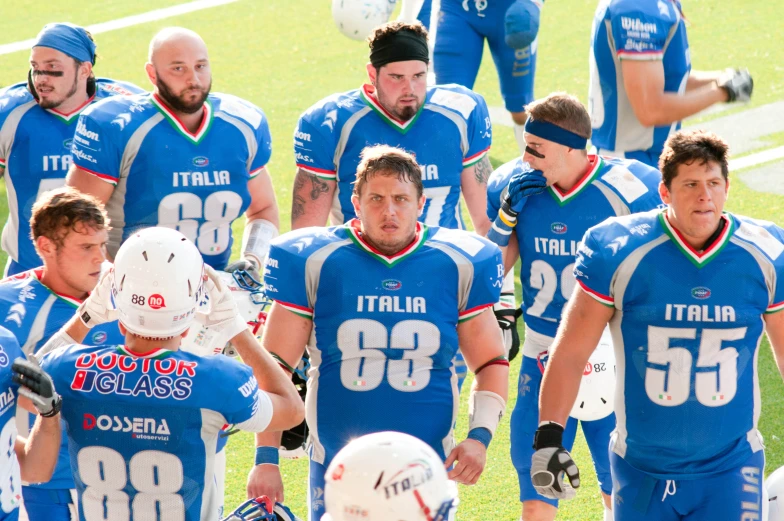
(128, 21)
(756, 159)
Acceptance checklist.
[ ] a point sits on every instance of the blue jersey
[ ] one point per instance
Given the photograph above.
(686, 331)
(142, 429)
(634, 30)
(33, 313)
(165, 175)
(551, 225)
(384, 328)
(10, 480)
(452, 131)
(35, 149)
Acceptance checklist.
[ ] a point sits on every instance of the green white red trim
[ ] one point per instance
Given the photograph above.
(254, 173)
(297, 310)
(601, 299)
(319, 172)
(73, 115)
(468, 314)
(2, 163)
(562, 197)
(474, 159)
(699, 259)
(355, 235)
(401, 126)
(73, 301)
(194, 137)
(774, 308)
(157, 353)
(103, 177)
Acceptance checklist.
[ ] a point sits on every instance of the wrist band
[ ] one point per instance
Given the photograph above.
(267, 456)
(480, 434)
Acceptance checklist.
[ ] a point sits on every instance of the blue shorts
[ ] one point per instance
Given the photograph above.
(47, 504)
(525, 420)
(459, 43)
(733, 494)
(424, 13)
(316, 475)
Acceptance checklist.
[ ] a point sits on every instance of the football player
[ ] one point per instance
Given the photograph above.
(143, 418)
(642, 84)
(37, 122)
(688, 291)
(180, 157)
(542, 204)
(380, 333)
(69, 230)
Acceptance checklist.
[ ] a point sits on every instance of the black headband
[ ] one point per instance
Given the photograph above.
(398, 47)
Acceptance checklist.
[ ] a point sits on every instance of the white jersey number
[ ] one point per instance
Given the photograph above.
(157, 476)
(716, 371)
(11, 485)
(364, 366)
(181, 211)
(544, 278)
(436, 199)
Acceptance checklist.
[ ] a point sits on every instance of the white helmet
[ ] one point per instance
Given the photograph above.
(357, 18)
(596, 398)
(773, 501)
(252, 305)
(388, 476)
(158, 282)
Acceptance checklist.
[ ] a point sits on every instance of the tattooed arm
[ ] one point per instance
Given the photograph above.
(473, 183)
(311, 200)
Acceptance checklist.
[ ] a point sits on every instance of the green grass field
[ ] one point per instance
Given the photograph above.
(284, 55)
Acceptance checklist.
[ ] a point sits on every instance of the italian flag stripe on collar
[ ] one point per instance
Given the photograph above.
(204, 127)
(601, 299)
(155, 353)
(2, 163)
(699, 259)
(73, 301)
(564, 197)
(297, 310)
(395, 123)
(71, 116)
(354, 234)
(773, 308)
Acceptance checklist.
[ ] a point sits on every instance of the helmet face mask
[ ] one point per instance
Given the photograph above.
(388, 476)
(158, 283)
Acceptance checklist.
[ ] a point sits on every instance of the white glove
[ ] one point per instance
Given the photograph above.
(97, 308)
(224, 314)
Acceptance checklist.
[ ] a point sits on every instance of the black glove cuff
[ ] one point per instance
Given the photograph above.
(506, 315)
(730, 93)
(57, 404)
(548, 435)
(507, 208)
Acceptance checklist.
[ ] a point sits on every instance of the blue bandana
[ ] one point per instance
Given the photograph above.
(554, 133)
(69, 39)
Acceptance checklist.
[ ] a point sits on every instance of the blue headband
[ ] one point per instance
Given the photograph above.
(554, 133)
(69, 39)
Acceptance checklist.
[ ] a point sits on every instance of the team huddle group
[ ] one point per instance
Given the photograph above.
(644, 302)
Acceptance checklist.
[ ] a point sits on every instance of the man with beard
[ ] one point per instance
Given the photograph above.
(37, 122)
(180, 157)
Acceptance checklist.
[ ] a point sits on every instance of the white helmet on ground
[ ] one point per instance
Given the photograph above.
(388, 476)
(356, 19)
(773, 500)
(596, 398)
(157, 282)
(252, 305)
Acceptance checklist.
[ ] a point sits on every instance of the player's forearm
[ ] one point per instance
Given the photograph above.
(311, 200)
(269, 438)
(73, 332)
(263, 204)
(670, 107)
(474, 188)
(774, 328)
(494, 378)
(699, 79)
(38, 455)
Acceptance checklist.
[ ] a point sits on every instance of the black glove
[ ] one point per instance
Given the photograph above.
(507, 321)
(37, 386)
(737, 83)
(550, 462)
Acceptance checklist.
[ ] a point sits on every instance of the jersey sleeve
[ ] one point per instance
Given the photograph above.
(497, 184)
(240, 402)
(264, 147)
(487, 281)
(9, 349)
(480, 132)
(640, 35)
(315, 141)
(768, 238)
(95, 148)
(284, 275)
(593, 269)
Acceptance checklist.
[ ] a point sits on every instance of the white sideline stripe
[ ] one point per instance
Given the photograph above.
(756, 159)
(128, 21)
